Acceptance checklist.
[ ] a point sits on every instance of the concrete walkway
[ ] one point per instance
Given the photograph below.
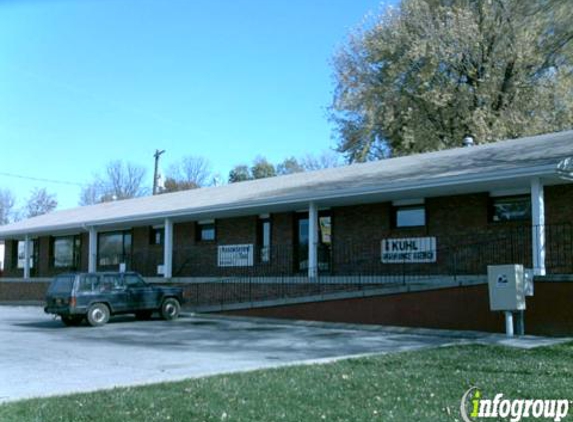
(41, 357)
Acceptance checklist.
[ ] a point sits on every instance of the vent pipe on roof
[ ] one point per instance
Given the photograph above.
(468, 141)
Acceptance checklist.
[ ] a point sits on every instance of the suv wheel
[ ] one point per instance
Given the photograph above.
(98, 314)
(72, 320)
(170, 309)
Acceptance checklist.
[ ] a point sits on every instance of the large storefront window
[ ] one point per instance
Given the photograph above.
(324, 242)
(66, 252)
(114, 249)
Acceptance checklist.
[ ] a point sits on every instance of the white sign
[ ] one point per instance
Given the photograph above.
(409, 250)
(235, 256)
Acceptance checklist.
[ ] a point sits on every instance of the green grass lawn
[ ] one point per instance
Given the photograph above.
(414, 386)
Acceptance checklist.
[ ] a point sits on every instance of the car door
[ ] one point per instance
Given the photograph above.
(116, 292)
(141, 294)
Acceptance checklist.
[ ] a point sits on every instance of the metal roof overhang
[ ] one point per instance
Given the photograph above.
(444, 186)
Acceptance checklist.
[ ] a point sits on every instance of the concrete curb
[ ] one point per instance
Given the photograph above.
(527, 341)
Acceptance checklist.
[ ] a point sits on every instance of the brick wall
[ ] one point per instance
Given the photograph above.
(459, 221)
(549, 312)
(146, 257)
(27, 291)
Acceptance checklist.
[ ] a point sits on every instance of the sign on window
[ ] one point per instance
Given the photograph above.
(235, 256)
(409, 250)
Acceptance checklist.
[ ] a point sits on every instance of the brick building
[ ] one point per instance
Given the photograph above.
(432, 214)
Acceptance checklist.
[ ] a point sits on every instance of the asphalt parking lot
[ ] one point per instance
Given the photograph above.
(41, 357)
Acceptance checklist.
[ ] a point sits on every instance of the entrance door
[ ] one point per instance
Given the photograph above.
(324, 241)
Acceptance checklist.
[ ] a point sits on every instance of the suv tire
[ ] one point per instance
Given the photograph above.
(170, 309)
(98, 314)
(72, 320)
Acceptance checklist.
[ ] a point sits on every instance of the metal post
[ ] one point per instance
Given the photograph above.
(538, 227)
(168, 249)
(27, 257)
(520, 323)
(509, 323)
(312, 242)
(92, 250)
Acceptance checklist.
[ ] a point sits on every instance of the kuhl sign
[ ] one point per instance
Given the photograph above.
(409, 250)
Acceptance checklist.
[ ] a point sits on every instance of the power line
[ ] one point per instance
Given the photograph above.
(41, 179)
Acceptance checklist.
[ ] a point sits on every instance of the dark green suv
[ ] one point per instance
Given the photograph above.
(97, 296)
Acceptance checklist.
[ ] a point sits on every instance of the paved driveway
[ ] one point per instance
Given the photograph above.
(40, 357)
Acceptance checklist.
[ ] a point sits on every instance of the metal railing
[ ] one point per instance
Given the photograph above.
(281, 271)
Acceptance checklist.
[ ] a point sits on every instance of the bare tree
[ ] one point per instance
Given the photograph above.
(7, 201)
(119, 181)
(40, 202)
(189, 173)
(324, 160)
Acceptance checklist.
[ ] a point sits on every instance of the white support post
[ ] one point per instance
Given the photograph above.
(312, 242)
(509, 323)
(27, 257)
(168, 249)
(538, 227)
(92, 250)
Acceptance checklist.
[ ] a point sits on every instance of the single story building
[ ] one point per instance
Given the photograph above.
(452, 211)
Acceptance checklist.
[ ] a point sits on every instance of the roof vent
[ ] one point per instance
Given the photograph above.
(468, 141)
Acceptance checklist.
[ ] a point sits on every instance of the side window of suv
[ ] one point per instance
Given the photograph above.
(132, 280)
(112, 282)
(89, 283)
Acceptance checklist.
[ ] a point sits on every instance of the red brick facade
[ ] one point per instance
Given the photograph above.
(458, 222)
(460, 308)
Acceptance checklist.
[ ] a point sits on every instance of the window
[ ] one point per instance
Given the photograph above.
(206, 231)
(62, 284)
(112, 282)
(66, 252)
(325, 228)
(156, 236)
(132, 280)
(90, 283)
(113, 248)
(21, 254)
(265, 239)
(409, 216)
(511, 208)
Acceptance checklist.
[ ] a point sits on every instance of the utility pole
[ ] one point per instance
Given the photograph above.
(155, 173)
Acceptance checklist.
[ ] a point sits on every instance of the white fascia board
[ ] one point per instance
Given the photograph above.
(538, 171)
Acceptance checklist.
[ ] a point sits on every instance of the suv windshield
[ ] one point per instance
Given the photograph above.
(62, 284)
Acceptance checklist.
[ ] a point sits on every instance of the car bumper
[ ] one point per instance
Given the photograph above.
(63, 310)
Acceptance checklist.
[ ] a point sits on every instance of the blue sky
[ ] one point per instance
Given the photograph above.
(83, 82)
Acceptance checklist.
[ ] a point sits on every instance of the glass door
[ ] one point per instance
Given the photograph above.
(324, 242)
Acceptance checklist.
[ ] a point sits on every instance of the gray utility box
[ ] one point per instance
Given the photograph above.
(506, 287)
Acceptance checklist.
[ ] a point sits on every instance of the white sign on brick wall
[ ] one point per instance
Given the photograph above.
(235, 256)
(409, 250)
